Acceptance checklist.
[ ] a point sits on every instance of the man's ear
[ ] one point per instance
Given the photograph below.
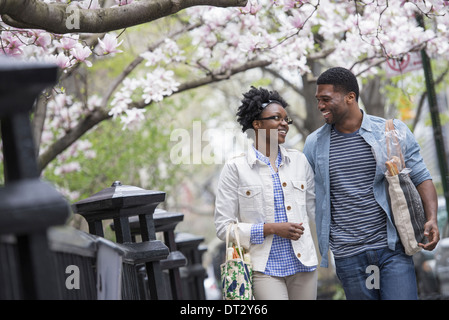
(351, 97)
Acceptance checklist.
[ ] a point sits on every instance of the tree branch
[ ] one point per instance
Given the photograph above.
(101, 114)
(138, 60)
(54, 17)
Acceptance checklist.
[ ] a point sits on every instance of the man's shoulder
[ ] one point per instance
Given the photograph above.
(379, 122)
(313, 136)
(376, 119)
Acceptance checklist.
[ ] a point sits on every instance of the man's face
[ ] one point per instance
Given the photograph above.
(332, 104)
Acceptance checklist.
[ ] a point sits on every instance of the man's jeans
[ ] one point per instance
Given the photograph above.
(378, 274)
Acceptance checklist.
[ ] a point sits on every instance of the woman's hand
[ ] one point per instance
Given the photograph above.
(288, 230)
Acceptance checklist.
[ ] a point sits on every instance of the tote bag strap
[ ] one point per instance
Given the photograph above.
(227, 246)
(228, 229)
(236, 233)
(237, 238)
(389, 127)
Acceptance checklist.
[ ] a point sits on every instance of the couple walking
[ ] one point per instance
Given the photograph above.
(272, 192)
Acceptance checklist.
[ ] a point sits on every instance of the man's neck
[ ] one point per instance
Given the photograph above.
(350, 124)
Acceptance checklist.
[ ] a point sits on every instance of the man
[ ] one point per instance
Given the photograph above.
(353, 217)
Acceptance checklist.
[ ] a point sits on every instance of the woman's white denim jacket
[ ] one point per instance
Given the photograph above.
(372, 130)
(245, 195)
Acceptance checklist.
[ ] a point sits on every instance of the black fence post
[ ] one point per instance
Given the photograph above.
(193, 274)
(28, 206)
(166, 223)
(120, 202)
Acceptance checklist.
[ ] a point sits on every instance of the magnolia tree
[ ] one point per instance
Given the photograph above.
(210, 43)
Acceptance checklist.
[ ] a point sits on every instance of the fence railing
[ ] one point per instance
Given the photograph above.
(43, 258)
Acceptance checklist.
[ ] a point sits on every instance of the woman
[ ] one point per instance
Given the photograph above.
(269, 192)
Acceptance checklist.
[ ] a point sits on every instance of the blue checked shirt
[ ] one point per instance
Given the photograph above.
(282, 261)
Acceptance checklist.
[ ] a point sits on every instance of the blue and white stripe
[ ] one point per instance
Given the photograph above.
(358, 223)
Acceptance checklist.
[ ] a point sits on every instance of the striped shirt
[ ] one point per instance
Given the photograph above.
(282, 260)
(358, 223)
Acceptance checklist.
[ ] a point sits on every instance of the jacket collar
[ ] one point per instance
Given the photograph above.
(366, 122)
(366, 125)
(251, 155)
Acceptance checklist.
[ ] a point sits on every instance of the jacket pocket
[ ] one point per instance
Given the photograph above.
(299, 191)
(250, 198)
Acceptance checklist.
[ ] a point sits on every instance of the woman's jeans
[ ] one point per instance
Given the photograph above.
(380, 274)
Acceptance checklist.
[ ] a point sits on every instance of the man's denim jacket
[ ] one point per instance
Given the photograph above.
(316, 149)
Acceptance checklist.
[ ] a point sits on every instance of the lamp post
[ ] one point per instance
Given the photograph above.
(435, 116)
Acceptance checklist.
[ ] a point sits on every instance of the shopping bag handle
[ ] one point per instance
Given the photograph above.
(237, 238)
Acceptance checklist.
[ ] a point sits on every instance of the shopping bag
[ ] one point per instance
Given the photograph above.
(406, 205)
(236, 274)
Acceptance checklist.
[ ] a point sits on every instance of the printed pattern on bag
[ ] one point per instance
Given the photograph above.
(236, 280)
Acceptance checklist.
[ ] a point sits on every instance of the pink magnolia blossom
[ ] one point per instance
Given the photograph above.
(296, 20)
(93, 102)
(158, 84)
(10, 44)
(122, 98)
(109, 44)
(120, 103)
(68, 167)
(132, 118)
(291, 4)
(67, 42)
(61, 60)
(81, 53)
(251, 8)
(43, 39)
(152, 57)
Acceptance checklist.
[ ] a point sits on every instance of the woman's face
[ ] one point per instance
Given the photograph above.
(272, 129)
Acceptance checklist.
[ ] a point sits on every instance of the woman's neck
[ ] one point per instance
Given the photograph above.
(271, 152)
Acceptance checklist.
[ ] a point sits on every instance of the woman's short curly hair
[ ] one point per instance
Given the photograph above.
(251, 106)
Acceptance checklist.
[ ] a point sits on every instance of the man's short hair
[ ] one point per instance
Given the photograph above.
(342, 79)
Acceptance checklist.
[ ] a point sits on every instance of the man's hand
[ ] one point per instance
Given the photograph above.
(432, 233)
(429, 199)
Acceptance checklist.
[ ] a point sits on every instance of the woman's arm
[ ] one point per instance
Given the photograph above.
(288, 230)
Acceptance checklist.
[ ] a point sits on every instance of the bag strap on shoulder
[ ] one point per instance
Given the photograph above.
(389, 127)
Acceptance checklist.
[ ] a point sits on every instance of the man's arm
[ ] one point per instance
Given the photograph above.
(429, 199)
(421, 178)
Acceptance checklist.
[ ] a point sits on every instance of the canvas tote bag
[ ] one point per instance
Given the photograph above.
(236, 274)
(406, 205)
